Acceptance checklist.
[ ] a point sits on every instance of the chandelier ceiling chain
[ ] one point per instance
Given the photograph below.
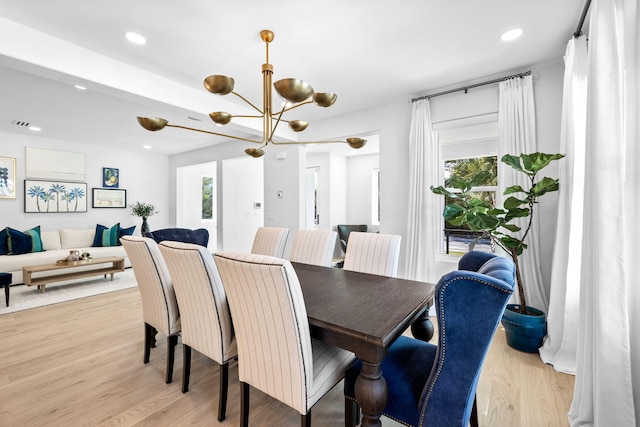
(296, 92)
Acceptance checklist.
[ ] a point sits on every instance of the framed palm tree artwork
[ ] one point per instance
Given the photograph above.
(54, 196)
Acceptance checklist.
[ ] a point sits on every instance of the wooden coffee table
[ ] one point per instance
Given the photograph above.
(117, 265)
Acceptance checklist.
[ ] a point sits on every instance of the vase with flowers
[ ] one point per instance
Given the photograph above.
(143, 210)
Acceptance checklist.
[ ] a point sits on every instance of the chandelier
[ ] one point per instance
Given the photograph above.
(294, 91)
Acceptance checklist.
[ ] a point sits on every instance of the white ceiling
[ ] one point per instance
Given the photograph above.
(367, 51)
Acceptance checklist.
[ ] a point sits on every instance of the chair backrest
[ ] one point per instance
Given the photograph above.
(159, 305)
(345, 229)
(204, 310)
(199, 236)
(270, 241)
(373, 253)
(469, 307)
(270, 320)
(314, 247)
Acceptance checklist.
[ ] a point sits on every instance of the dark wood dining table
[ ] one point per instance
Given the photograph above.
(362, 313)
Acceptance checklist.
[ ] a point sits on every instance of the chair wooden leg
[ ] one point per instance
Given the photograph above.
(172, 341)
(7, 289)
(186, 367)
(305, 420)
(351, 413)
(224, 387)
(474, 412)
(148, 336)
(244, 404)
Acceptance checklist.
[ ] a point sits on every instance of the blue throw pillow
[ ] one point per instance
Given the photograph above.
(125, 232)
(23, 242)
(106, 236)
(4, 249)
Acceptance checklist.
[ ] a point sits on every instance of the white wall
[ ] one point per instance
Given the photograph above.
(359, 189)
(143, 175)
(243, 187)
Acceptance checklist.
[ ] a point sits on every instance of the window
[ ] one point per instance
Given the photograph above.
(466, 150)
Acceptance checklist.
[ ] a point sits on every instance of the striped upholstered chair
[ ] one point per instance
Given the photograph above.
(270, 241)
(373, 253)
(159, 305)
(206, 321)
(314, 247)
(275, 351)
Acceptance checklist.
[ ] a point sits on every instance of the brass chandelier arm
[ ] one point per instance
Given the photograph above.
(248, 102)
(297, 105)
(214, 133)
(332, 141)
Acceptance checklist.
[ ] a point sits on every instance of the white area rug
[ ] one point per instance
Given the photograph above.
(24, 297)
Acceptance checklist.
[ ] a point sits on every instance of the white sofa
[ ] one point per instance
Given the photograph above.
(57, 245)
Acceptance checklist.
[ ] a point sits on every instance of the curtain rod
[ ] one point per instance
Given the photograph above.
(583, 16)
(465, 88)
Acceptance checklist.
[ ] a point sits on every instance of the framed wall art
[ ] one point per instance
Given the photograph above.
(42, 163)
(110, 177)
(109, 198)
(54, 196)
(7, 178)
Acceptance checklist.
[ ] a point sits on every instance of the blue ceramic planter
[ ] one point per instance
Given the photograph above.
(524, 332)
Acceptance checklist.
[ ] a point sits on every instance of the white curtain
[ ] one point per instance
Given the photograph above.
(517, 135)
(560, 345)
(422, 225)
(607, 390)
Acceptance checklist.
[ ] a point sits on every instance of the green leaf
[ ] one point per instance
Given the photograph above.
(516, 213)
(452, 212)
(440, 190)
(513, 189)
(545, 185)
(510, 242)
(539, 161)
(513, 203)
(513, 161)
(512, 227)
(483, 222)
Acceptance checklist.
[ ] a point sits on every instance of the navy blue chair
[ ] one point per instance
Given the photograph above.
(199, 236)
(428, 386)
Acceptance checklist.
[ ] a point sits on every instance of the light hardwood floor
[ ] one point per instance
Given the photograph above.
(80, 363)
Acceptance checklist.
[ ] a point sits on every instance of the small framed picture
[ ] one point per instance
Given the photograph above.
(109, 198)
(110, 177)
(7, 178)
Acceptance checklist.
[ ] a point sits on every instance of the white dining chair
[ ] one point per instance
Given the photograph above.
(276, 353)
(206, 320)
(159, 305)
(314, 247)
(270, 241)
(373, 253)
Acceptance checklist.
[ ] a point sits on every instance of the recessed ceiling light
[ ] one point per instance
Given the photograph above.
(79, 87)
(147, 147)
(512, 34)
(35, 128)
(135, 38)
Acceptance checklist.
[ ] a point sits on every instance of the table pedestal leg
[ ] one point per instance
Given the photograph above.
(371, 394)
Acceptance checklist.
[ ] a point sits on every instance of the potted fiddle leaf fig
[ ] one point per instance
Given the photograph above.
(466, 209)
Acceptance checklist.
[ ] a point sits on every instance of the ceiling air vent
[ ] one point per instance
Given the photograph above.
(20, 123)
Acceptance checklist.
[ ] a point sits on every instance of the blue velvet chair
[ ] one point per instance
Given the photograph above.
(431, 385)
(199, 236)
